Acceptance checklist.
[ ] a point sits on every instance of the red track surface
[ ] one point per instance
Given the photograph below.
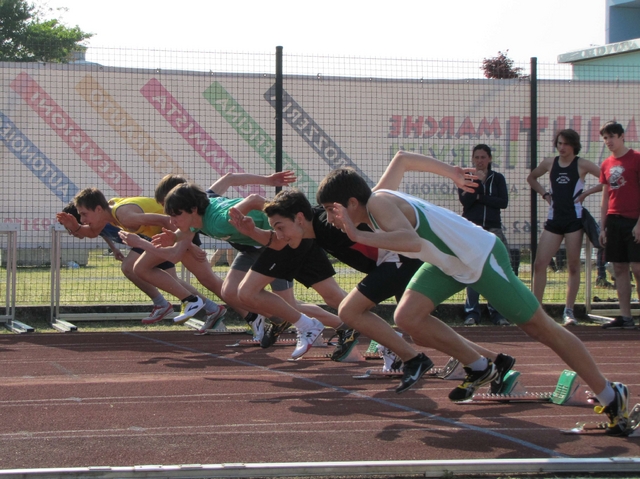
(124, 399)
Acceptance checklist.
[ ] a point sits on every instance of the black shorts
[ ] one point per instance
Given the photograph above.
(165, 265)
(307, 264)
(620, 246)
(388, 279)
(563, 226)
(196, 239)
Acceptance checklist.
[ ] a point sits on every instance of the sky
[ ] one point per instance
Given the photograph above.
(425, 29)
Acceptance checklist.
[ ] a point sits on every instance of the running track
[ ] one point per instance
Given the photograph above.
(123, 399)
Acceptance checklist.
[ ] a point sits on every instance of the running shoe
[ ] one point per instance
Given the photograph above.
(158, 313)
(620, 323)
(258, 327)
(347, 339)
(271, 333)
(471, 321)
(568, 319)
(502, 322)
(617, 411)
(472, 382)
(188, 310)
(306, 337)
(213, 320)
(392, 361)
(504, 363)
(413, 370)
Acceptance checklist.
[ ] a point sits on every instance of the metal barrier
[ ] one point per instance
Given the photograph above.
(9, 318)
(64, 322)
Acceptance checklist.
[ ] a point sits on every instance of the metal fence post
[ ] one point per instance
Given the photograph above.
(279, 93)
(534, 158)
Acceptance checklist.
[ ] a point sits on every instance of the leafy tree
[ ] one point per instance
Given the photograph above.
(500, 67)
(25, 36)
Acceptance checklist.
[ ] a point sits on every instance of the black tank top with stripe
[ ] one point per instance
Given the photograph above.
(566, 185)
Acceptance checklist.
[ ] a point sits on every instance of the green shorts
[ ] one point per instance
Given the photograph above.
(498, 285)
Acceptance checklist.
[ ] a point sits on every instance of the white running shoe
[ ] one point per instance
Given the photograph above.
(257, 326)
(213, 320)
(306, 338)
(568, 319)
(188, 310)
(391, 360)
(158, 313)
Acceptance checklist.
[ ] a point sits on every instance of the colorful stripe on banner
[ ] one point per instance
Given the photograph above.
(180, 119)
(67, 129)
(254, 135)
(30, 156)
(310, 131)
(127, 127)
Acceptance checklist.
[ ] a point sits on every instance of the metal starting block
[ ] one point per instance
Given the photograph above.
(253, 343)
(451, 370)
(372, 351)
(353, 357)
(379, 374)
(600, 427)
(220, 329)
(599, 319)
(314, 357)
(513, 391)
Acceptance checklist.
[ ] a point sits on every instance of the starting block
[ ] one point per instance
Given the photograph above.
(221, 328)
(372, 351)
(254, 343)
(354, 355)
(600, 427)
(513, 391)
(599, 319)
(452, 370)
(318, 343)
(379, 374)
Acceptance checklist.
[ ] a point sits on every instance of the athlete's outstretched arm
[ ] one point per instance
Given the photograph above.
(74, 228)
(246, 226)
(171, 253)
(396, 232)
(222, 184)
(404, 161)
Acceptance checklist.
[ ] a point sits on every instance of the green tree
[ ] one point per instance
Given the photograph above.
(500, 67)
(25, 36)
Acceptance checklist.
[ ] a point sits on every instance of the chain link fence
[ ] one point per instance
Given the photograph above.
(122, 119)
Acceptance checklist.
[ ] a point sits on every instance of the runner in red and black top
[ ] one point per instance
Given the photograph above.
(296, 223)
(620, 213)
(387, 276)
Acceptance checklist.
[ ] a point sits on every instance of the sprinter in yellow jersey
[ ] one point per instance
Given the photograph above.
(142, 216)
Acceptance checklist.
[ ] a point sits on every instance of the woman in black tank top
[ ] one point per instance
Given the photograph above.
(567, 173)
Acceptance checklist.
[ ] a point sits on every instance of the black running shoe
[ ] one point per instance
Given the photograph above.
(413, 370)
(504, 363)
(472, 382)
(620, 323)
(347, 339)
(271, 333)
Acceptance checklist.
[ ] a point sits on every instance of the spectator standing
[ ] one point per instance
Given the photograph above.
(620, 210)
(483, 208)
(567, 173)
